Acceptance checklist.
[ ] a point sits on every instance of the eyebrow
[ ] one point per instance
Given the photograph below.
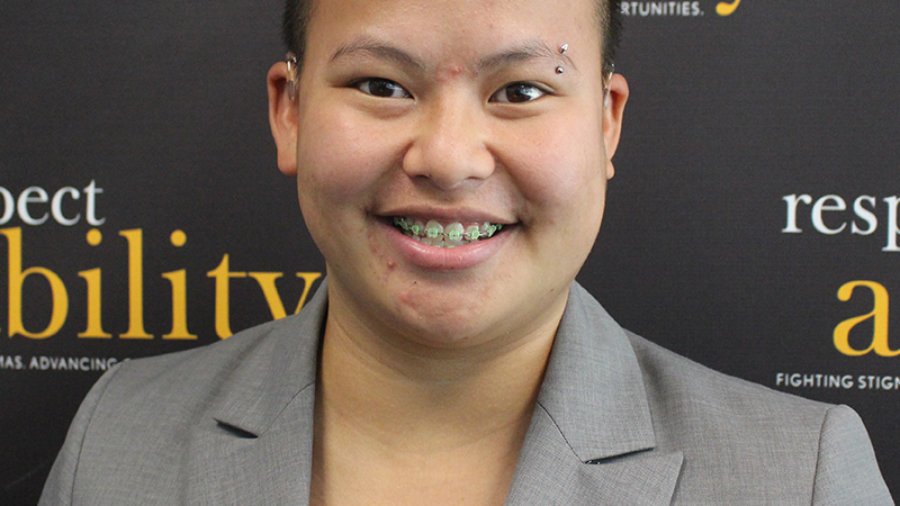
(530, 50)
(372, 47)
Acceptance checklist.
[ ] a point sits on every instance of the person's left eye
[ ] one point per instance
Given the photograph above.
(517, 93)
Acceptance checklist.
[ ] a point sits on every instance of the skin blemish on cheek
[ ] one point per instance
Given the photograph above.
(408, 299)
(379, 256)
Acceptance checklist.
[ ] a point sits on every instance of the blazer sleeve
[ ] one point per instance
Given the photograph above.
(846, 470)
(60, 485)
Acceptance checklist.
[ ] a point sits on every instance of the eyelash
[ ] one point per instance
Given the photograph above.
(365, 86)
(385, 83)
(541, 92)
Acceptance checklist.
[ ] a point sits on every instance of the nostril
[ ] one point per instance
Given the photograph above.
(451, 169)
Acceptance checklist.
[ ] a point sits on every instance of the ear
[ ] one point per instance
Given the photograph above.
(613, 112)
(283, 117)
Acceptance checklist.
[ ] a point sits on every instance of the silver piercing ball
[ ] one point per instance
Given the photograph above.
(291, 60)
(560, 70)
(563, 49)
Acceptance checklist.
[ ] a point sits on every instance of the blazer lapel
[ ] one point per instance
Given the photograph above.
(271, 468)
(257, 446)
(549, 473)
(591, 439)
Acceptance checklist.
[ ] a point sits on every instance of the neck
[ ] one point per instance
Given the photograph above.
(425, 400)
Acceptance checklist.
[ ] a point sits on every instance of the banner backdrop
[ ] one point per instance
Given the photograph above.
(753, 224)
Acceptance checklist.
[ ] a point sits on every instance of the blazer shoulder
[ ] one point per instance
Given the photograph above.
(731, 430)
(847, 471)
(145, 420)
(198, 372)
(677, 376)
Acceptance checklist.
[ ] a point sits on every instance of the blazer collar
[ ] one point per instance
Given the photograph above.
(593, 388)
(283, 365)
(259, 448)
(590, 440)
(591, 435)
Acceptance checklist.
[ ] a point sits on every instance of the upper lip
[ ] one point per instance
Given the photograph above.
(446, 214)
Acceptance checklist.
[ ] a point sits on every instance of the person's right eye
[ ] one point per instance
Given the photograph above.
(384, 88)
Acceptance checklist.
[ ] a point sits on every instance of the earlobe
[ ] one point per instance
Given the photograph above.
(283, 116)
(613, 113)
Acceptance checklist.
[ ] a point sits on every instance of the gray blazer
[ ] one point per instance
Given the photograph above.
(618, 421)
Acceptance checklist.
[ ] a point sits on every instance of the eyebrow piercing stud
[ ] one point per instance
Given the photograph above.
(563, 49)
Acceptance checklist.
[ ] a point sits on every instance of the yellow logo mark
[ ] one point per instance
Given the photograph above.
(879, 316)
(727, 9)
(17, 275)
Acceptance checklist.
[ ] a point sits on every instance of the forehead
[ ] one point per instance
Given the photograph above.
(461, 26)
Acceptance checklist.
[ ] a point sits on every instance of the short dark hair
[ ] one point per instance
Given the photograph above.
(297, 13)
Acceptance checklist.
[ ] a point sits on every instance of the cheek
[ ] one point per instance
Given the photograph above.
(567, 195)
(562, 175)
(340, 157)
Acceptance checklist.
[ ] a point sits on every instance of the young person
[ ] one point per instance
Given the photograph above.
(451, 160)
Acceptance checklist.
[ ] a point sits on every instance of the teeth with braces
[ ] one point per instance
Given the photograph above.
(454, 234)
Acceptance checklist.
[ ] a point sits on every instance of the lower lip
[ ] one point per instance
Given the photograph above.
(445, 259)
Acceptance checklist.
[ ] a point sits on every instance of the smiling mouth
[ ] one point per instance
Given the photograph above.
(446, 235)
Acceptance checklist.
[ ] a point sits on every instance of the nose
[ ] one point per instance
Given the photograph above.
(449, 147)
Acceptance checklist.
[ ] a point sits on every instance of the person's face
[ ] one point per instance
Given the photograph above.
(453, 112)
